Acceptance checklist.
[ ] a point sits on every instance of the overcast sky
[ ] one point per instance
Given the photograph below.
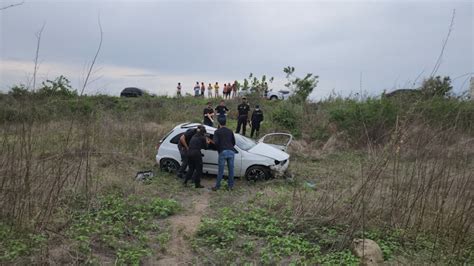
(155, 44)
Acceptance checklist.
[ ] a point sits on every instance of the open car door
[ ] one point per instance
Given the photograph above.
(280, 141)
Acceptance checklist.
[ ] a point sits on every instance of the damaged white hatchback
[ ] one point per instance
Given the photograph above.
(254, 160)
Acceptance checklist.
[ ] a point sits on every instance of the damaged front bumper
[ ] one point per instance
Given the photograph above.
(279, 168)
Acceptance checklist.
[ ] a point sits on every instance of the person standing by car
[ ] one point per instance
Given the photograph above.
(243, 116)
(178, 90)
(208, 115)
(224, 140)
(198, 142)
(257, 118)
(196, 89)
(183, 147)
(216, 89)
(221, 111)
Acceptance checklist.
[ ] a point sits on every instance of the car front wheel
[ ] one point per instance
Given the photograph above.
(169, 165)
(257, 173)
(273, 98)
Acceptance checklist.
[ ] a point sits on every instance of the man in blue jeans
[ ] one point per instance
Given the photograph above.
(225, 141)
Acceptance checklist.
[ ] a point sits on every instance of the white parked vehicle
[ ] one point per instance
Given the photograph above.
(253, 160)
(279, 95)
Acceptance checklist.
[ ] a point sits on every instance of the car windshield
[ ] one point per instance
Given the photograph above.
(244, 143)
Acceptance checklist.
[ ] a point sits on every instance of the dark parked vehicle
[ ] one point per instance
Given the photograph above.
(132, 92)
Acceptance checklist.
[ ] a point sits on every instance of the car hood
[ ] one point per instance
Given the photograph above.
(269, 151)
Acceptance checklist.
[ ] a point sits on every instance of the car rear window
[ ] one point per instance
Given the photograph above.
(175, 139)
(169, 133)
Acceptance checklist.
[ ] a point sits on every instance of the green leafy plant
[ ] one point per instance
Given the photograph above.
(15, 243)
(436, 86)
(301, 86)
(58, 87)
(116, 219)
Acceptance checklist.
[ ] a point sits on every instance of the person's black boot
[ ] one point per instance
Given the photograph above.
(198, 185)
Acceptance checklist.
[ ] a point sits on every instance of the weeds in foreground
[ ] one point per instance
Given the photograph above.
(15, 244)
(253, 233)
(120, 224)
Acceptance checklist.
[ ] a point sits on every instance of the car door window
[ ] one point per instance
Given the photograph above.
(175, 139)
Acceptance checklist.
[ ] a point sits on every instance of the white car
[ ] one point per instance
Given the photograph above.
(278, 95)
(253, 160)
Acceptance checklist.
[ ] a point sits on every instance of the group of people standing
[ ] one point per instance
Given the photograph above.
(243, 118)
(229, 90)
(193, 140)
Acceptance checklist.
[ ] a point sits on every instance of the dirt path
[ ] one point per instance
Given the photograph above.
(183, 227)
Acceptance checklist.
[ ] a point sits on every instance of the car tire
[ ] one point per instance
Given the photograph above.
(273, 98)
(257, 173)
(169, 165)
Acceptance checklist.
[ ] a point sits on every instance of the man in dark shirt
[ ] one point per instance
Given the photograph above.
(198, 142)
(257, 118)
(224, 140)
(221, 111)
(208, 115)
(243, 117)
(183, 147)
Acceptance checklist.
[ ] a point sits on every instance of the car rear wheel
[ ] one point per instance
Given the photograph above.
(257, 173)
(169, 165)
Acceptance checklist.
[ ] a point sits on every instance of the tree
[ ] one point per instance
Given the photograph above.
(245, 85)
(301, 86)
(255, 84)
(19, 91)
(435, 86)
(57, 87)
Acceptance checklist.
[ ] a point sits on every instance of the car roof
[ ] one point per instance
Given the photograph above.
(194, 125)
(132, 89)
(189, 125)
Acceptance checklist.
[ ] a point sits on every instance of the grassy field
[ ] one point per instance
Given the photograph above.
(398, 173)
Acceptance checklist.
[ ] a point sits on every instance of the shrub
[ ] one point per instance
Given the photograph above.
(367, 121)
(435, 86)
(288, 116)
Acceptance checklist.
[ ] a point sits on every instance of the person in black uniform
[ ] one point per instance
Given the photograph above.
(221, 111)
(243, 117)
(183, 147)
(257, 118)
(198, 141)
(208, 115)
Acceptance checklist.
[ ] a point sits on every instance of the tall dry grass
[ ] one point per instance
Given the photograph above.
(43, 162)
(419, 183)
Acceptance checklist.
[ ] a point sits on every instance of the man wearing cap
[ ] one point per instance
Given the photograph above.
(257, 118)
(243, 116)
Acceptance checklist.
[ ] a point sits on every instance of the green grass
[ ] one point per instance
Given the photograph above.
(16, 243)
(122, 225)
(252, 232)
